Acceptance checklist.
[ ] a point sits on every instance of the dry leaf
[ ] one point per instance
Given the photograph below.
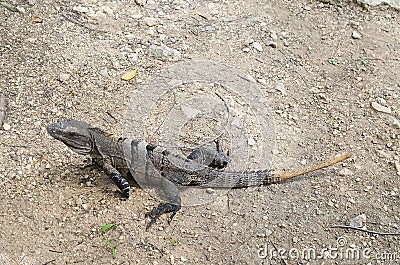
(129, 75)
(37, 20)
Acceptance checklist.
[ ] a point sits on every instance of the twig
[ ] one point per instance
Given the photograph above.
(365, 230)
(70, 19)
(3, 109)
(290, 174)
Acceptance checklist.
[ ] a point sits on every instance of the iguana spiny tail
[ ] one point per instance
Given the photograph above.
(119, 158)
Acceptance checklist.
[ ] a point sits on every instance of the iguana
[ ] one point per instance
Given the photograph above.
(155, 167)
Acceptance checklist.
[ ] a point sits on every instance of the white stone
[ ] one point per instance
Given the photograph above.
(356, 35)
(6, 126)
(257, 46)
(251, 141)
(378, 107)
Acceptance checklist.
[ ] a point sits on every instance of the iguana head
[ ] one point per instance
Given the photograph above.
(75, 134)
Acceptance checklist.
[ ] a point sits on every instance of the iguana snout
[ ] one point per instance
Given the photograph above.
(75, 134)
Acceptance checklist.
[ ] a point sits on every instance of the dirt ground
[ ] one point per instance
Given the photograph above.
(328, 70)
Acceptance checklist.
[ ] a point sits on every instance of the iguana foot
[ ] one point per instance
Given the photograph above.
(160, 210)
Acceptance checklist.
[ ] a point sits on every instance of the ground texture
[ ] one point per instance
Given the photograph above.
(328, 70)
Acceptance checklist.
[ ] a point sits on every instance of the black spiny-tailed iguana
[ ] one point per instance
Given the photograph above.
(120, 158)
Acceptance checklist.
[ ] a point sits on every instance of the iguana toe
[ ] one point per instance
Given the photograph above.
(160, 210)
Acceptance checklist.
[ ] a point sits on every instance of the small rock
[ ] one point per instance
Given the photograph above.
(64, 77)
(164, 53)
(133, 57)
(6, 126)
(108, 10)
(210, 191)
(356, 35)
(183, 259)
(397, 166)
(81, 9)
(378, 107)
(262, 81)
(246, 49)
(381, 101)
(150, 21)
(272, 44)
(295, 239)
(141, 2)
(358, 221)
(281, 88)
(257, 46)
(250, 78)
(104, 72)
(21, 9)
(394, 122)
(32, 2)
(345, 172)
(251, 141)
(303, 162)
(268, 232)
(382, 154)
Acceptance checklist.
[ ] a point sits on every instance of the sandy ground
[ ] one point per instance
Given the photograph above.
(328, 70)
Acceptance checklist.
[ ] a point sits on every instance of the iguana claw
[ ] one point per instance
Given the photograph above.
(160, 210)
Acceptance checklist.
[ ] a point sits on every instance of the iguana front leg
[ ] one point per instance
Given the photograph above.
(120, 181)
(209, 157)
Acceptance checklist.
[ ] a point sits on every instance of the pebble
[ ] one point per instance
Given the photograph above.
(164, 53)
(345, 172)
(257, 46)
(150, 21)
(281, 88)
(133, 57)
(104, 72)
(382, 154)
(64, 77)
(81, 9)
(356, 35)
(246, 49)
(272, 44)
(358, 221)
(378, 107)
(251, 141)
(210, 191)
(141, 2)
(268, 232)
(262, 81)
(395, 123)
(381, 101)
(397, 166)
(6, 126)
